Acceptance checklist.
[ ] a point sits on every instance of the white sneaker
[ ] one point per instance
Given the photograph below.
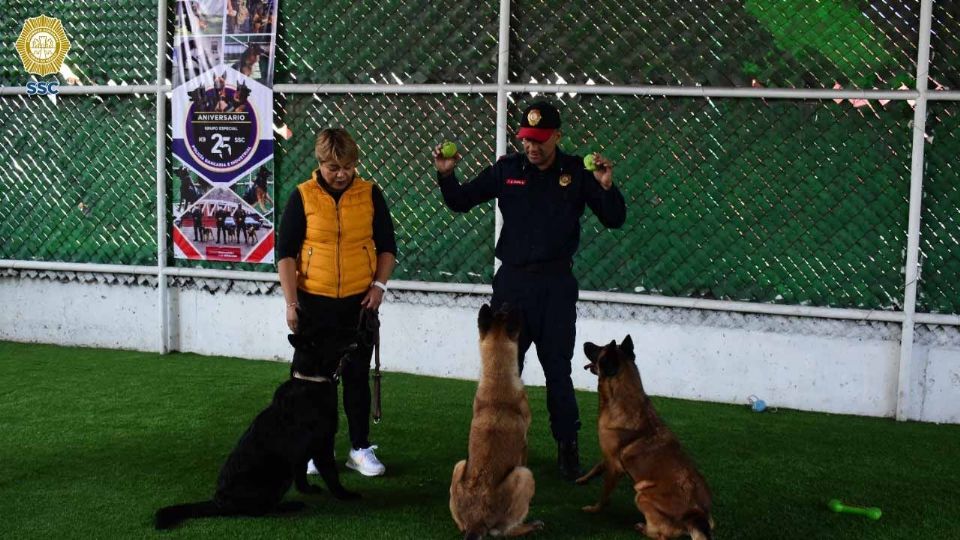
(365, 462)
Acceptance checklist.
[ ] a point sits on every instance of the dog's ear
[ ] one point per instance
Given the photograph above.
(485, 319)
(610, 363)
(591, 350)
(627, 346)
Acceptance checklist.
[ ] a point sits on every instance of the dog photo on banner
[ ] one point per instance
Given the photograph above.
(222, 118)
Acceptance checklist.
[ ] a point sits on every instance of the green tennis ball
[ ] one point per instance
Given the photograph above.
(448, 149)
(588, 162)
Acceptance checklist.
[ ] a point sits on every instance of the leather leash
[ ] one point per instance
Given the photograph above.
(370, 329)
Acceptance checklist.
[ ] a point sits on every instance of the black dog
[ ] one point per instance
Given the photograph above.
(298, 425)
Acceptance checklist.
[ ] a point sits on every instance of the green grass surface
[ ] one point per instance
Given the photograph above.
(92, 442)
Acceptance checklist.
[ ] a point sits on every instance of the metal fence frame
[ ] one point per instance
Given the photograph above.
(907, 317)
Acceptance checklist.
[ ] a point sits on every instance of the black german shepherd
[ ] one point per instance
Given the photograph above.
(298, 425)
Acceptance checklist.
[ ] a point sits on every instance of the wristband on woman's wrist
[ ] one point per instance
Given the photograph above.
(292, 305)
(379, 285)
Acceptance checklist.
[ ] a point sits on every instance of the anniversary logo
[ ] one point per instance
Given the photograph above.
(222, 110)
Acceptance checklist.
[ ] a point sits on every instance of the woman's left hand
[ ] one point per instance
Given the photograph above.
(373, 299)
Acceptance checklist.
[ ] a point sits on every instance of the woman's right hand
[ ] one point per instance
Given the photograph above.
(444, 165)
(292, 318)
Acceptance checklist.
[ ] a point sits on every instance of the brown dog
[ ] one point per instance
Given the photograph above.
(491, 490)
(671, 493)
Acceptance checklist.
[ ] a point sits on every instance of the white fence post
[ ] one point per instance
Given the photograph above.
(913, 225)
(503, 72)
(162, 307)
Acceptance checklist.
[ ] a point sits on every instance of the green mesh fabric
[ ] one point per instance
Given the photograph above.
(343, 41)
(783, 43)
(110, 40)
(78, 179)
(773, 201)
(791, 201)
(945, 46)
(396, 135)
(938, 290)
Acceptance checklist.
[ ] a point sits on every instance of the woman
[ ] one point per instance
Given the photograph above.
(337, 250)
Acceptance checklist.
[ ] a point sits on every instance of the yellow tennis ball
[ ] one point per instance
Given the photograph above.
(448, 149)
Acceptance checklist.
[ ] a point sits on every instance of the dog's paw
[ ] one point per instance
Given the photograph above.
(537, 525)
(346, 495)
(593, 508)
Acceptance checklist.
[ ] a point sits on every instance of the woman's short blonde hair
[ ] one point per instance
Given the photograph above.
(335, 144)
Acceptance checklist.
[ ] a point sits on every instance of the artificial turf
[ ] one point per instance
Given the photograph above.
(93, 441)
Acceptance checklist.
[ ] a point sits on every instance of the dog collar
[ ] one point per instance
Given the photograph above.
(298, 375)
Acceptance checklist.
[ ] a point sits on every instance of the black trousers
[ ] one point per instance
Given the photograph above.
(355, 377)
(548, 302)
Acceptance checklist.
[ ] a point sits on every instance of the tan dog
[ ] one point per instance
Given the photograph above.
(491, 490)
(671, 493)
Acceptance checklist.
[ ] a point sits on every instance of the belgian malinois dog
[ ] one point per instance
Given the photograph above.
(671, 493)
(491, 490)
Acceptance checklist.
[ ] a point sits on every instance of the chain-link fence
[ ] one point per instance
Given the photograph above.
(345, 41)
(938, 289)
(111, 41)
(945, 46)
(794, 201)
(78, 179)
(784, 43)
(774, 201)
(396, 135)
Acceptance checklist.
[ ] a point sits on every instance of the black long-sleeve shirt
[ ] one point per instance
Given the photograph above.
(541, 209)
(293, 225)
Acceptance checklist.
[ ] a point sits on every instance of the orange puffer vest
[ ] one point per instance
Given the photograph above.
(338, 257)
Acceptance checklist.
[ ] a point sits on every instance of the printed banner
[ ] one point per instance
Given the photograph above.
(222, 117)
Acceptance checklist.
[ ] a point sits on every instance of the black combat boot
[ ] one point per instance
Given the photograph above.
(568, 460)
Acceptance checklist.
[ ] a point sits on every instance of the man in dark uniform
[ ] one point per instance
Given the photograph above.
(221, 216)
(197, 224)
(239, 219)
(541, 194)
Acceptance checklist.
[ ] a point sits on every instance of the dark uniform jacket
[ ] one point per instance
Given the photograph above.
(541, 209)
